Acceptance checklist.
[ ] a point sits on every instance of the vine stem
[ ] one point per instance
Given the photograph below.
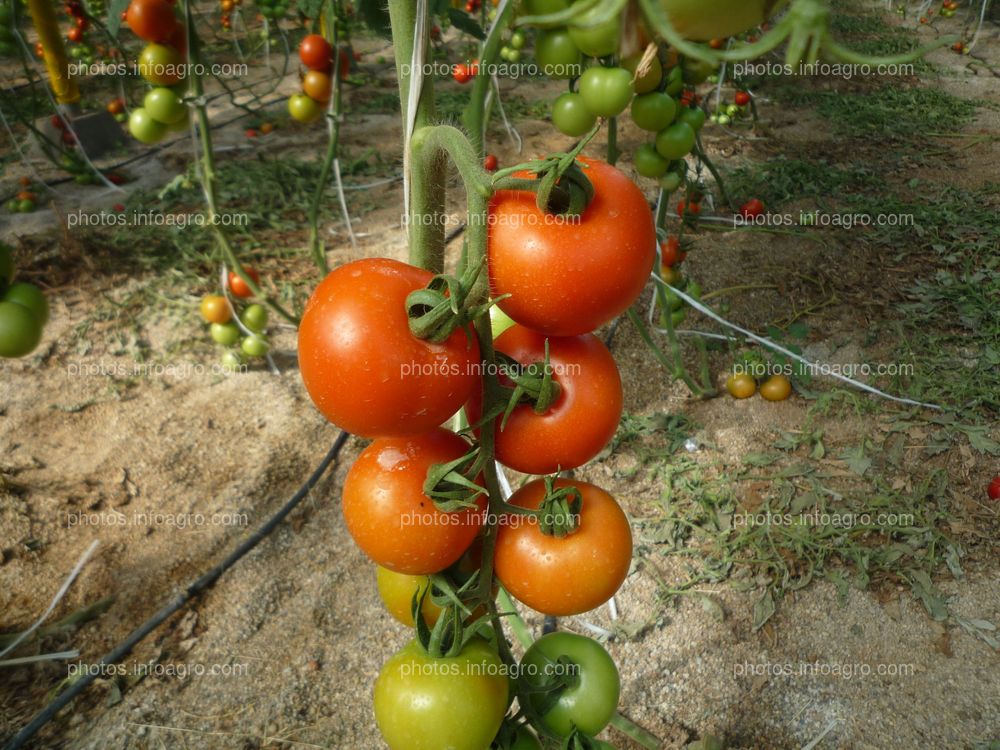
(207, 170)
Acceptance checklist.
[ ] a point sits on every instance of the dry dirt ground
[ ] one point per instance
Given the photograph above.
(282, 652)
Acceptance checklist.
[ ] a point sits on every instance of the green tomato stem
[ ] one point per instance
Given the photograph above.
(474, 114)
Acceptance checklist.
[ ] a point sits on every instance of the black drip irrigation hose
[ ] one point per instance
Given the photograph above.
(203, 583)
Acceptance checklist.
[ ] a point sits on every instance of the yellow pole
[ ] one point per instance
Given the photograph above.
(43, 14)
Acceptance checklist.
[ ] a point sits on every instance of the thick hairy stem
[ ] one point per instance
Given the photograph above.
(425, 221)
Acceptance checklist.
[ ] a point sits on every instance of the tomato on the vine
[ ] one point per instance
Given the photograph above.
(317, 86)
(238, 286)
(364, 369)
(675, 141)
(571, 116)
(397, 591)
(589, 698)
(606, 91)
(598, 40)
(741, 98)
(566, 575)
(581, 420)
(556, 288)
(304, 108)
(215, 309)
(462, 73)
(557, 55)
(693, 116)
(152, 20)
(389, 516)
(423, 702)
(648, 162)
(704, 20)
(315, 53)
(144, 128)
(653, 111)
(490, 163)
(161, 65)
(648, 81)
(688, 208)
(670, 252)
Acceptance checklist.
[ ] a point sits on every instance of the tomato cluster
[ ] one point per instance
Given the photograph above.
(415, 500)
(24, 311)
(316, 56)
(162, 64)
(250, 333)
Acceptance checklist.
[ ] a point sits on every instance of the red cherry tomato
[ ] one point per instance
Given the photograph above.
(688, 209)
(741, 98)
(315, 53)
(490, 163)
(152, 20)
(462, 73)
(238, 286)
(752, 208)
(670, 252)
(994, 489)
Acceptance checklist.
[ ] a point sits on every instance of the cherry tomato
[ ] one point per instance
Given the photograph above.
(741, 385)
(397, 591)
(30, 297)
(571, 116)
(163, 105)
(152, 20)
(315, 53)
(317, 86)
(693, 116)
(144, 128)
(590, 699)
(453, 702)
(214, 309)
(556, 54)
(567, 575)
(462, 73)
(670, 252)
(161, 65)
(653, 111)
(20, 330)
(255, 318)
(304, 108)
(238, 286)
(254, 345)
(556, 289)
(650, 80)
(116, 106)
(606, 91)
(579, 423)
(685, 208)
(75, 34)
(776, 388)
(226, 334)
(752, 208)
(675, 141)
(490, 163)
(648, 162)
(250, 133)
(363, 368)
(389, 516)
(741, 98)
(994, 488)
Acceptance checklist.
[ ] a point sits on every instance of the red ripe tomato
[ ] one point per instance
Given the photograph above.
(364, 369)
(152, 20)
(563, 576)
(568, 276)
(741, 98)
(238, 286)
(490, 163)
(315, 53)
(579, 423)
(462, 73)
(994, 489)
(752, 208)
(670, 252)
(686, 209)
(390, 517)
(75, 34)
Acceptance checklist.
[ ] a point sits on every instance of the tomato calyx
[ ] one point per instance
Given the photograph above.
(580, 741)
(533, 384)
(442, 307)
(450, 633)
(560, 183)
(452, 486)
(559, 511)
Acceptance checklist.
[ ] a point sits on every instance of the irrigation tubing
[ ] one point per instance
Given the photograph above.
(203, 583)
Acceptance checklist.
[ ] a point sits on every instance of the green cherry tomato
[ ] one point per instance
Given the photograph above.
(518, 40)
(648, 82)
(654, 111)
(606, 91)
(670, 181)
(459, 702)
(233, 360)
(164, 106)
(589, 699)
(732, 110)
(675, 81)
(571, 115)
(20, 332)
(693, 116)
(255, 318)
(556, 54)
(304, 108)
(161, 65)
(596, 41)
(254, 345)
(26, 206)
(675, 141)
(31, 297)
(648, 161)
(144, 128)
(226, 334)
(6, 266)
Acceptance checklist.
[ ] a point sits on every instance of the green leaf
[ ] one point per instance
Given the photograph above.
(763, 608)
(856, 460)
(465, 22)
(115, 15)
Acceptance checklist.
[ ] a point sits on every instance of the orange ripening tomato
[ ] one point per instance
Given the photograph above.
(563, 576)
(215, 309)
(567, 276)
(579, 423)
(317, 85)
(389, 516)
(238, 286)
(364, 369)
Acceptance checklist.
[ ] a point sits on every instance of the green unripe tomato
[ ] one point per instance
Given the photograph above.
(144, 128)
(20, 332)
(556, 54)
(723, 119)
(675, 81)
(29, 296)
(26, 206)
(648, 82)
(670, 181)
(675, 141)
(693, 116)
(571, 116)
(254, 345)
(164, 106)
(513, 55)
(233, 360)
(518, 40)
(732, 110)
(648, 162)
(226, 334)
(654, 111)
(596, 41)
(255, 318)
(606, 91)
